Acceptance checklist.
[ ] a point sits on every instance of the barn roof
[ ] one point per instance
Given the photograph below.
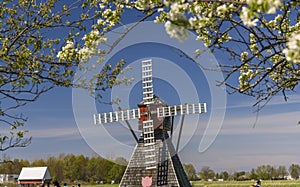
(34, 173)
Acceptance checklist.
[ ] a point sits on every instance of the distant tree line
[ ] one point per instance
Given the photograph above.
(73, 169)
(265, 172)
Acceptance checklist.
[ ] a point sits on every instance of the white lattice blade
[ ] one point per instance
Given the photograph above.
(159, 114)
(148, 130)
(149, 144)
(122, 115)
(147, 81)
(187, 108)
(105, 118)
(147, 123)
(181, 110)
(96, 121)
(111, 119)
(204, 108)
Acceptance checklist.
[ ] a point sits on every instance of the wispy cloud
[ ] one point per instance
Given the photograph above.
(291, 99)
(55, 133)
(266, 124)
(276, 100)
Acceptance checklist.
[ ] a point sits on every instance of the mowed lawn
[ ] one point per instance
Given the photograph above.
(102, 185)
(226, 184)
(277, 183)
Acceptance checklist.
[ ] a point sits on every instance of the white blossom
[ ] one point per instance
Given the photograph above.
(175, 31)
(249, 14)
(102, 6)
(221, 9)
(247, 18)
(292, 52)
(84, 54)
(272, 10)
(67, 52)
(244, 56)
(192, 21)
(141, 4)
(246, 75)
(100, 22)
(268, 6)
(177, 11)
(176, 14)
(160, 9)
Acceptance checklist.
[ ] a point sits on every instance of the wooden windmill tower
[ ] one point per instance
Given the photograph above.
(154, 161)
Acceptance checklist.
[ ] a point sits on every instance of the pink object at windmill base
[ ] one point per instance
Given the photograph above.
(146, 181)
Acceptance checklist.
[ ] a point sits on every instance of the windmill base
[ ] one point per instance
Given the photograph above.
(169, 171)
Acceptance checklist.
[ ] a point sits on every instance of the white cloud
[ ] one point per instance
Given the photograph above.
(277, 123)
(54, 133)
(276, 100)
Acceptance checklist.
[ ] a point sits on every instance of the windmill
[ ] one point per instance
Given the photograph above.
(154, 161)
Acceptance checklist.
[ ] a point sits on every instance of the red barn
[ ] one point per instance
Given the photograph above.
(32, 176)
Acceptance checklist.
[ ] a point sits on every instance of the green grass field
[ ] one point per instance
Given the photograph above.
(227, 184)
(102, 185)
(246, 184)
(212, 184)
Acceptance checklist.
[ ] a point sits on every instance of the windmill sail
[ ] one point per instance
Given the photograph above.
(147, 82)
(148, 127)
(181, 110)
(122, 115)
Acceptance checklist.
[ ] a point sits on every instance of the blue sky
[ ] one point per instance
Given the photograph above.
(238, 146)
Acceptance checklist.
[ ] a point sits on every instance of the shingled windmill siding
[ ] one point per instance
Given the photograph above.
(167, 175)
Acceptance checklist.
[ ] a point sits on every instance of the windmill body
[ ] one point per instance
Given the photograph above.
(154, 161)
